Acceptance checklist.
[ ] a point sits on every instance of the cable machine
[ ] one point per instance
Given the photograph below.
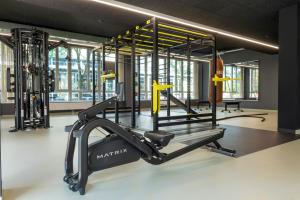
(30, 81)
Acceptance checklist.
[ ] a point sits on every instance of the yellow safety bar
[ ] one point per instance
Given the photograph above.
(164, 33)
(162, 39)
(217, 79)
(145, 41)
(107, 76)
(156, 95)
(182, 30)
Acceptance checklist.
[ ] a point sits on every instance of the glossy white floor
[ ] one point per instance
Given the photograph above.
(33, 169)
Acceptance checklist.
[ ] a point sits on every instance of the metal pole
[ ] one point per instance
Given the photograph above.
(18, 76)
(214, 87)
(103, 82)
(168, 82)
(20, 79)
(139, 83)
(152, 78)
(99, 84)
(155, 67)
(133, 82)
(46, 81)
(188, 75)
(94, 78)
(117, 81)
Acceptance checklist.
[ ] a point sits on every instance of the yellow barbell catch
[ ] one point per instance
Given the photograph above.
(156, 95)
(217, 79)
(107, 76)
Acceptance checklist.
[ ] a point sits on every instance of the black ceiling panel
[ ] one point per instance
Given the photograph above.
(80, 16)
(252, 18)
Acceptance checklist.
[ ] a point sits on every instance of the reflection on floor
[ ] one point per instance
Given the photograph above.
(33, 169)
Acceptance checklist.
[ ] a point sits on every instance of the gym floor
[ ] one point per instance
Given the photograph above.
(33, 167)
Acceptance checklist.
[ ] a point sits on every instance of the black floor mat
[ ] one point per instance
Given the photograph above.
(248, 140)
(243, 140)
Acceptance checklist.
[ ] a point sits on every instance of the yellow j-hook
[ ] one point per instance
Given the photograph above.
(156, 95)
(217, 79)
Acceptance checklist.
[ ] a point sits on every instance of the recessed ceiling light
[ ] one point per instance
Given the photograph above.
(151, 13)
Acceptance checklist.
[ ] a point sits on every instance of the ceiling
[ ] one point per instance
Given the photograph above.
(79, 16)
(253, 18)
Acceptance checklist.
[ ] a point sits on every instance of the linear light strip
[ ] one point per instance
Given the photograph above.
(150, 13)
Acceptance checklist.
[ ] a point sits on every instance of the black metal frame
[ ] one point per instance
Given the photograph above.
(148, 147)
(117, 80)
(133, 80)
(116, 46)
(154, 37)
(158, 36)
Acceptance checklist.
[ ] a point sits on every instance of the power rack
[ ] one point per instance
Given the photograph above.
(157, 38)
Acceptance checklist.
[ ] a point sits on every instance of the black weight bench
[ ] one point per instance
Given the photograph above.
(232, 103)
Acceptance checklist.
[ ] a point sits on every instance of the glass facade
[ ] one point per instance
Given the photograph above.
(235, 88)
(6, 61)
(76, 63)
(72, 67)
(178, 77)
(253, 83)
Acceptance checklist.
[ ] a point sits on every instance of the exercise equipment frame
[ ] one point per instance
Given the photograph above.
(120, 146)
(155, 37)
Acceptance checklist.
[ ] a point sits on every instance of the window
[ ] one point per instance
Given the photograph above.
(142, 78)
(247, 84)
(110, 57)
(6, 61)
(72, 76)
(52, 66)
(59, 61)
(253, 83)
(172, 71)
(149, 78)
(63, 68)
(232, 88)
(178, 77)
(81, 68)
(162, 71)
(98, 83)
(178, 86)
(110, 88)
(185, 78)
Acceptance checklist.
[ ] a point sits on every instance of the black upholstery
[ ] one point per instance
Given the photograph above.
(161, 138)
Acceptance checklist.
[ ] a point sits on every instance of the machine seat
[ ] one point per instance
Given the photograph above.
(160, 138)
